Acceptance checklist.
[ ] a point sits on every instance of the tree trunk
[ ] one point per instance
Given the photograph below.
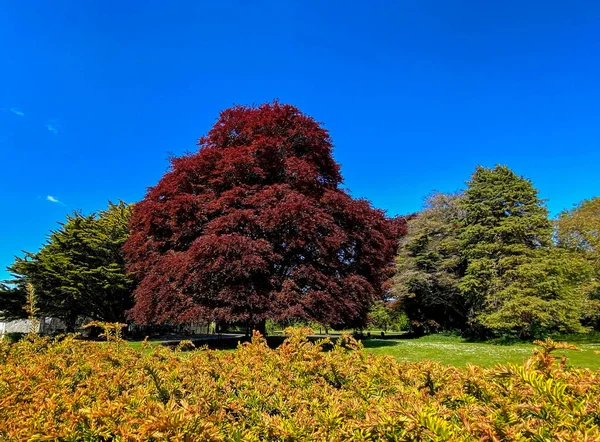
(70, 322)
(221, 327)
(261, 327)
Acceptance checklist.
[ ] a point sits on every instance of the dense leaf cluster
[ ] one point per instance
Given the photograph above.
(578, 229)
(255, 226)
(72, 390)
(79, 272)
(483, 260)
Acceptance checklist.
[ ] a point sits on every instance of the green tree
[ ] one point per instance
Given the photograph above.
(12, 301)
(546, 292)
(429, 265)
(514, 280)
(80, 271)
(504, 221)
(483, 261)
(578, 230)
(379, 316)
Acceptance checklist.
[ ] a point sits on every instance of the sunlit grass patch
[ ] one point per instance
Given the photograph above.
(452, 350)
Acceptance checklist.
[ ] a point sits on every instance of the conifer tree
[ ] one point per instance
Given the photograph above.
(505, 222)
(429, 265)
(79, 272)
(484, 261)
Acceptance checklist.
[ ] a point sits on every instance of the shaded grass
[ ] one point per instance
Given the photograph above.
(456, 351)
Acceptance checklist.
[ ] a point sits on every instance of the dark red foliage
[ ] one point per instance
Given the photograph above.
(254, 226)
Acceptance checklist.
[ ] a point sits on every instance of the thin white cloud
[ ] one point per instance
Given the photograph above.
(17, 111)
(52, 128)
(52, 199)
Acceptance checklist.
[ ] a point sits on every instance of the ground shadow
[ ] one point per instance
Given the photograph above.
(224, 342)
(229, 342)
(378, 343)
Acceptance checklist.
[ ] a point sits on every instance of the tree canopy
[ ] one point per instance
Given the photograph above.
(578, 230)
(483, 261)
(429, 265)
(79, 272)
(504, 223)
(255, 225)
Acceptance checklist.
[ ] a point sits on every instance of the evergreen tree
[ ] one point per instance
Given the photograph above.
(484, 262)
(79, 272)
(429, 265)
(545, 292)
(12, 301)
(578, 230)
(506, 237)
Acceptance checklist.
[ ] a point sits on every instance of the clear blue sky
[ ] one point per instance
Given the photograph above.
(96, 94)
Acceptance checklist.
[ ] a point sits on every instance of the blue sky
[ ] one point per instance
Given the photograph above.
(96, 95)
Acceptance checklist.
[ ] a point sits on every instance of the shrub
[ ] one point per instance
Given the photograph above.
(74, 390)
(13, 337)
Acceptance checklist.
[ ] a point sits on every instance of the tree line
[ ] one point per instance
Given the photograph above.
(489, 261)
(255, 225)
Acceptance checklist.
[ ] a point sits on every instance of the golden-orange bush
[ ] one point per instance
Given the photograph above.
(72, 390)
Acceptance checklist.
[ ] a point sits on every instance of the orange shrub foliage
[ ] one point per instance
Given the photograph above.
(70, 390)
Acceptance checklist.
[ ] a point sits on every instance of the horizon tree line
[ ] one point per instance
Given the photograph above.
(255, 226)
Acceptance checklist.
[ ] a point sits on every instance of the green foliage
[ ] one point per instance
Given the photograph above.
(384, 316)
(429, 265)
(503, 211)
(13, 337)
(578, 230)
(484, 262)
(504, 225)
(12, 301)
(544, 293)
(79, 271)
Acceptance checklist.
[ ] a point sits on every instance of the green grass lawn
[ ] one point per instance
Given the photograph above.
(456, 351)
(137, 345)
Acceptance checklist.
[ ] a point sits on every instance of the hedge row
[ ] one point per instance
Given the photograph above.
(70, 390)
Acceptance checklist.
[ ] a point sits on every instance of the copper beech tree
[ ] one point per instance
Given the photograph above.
(254, 226)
